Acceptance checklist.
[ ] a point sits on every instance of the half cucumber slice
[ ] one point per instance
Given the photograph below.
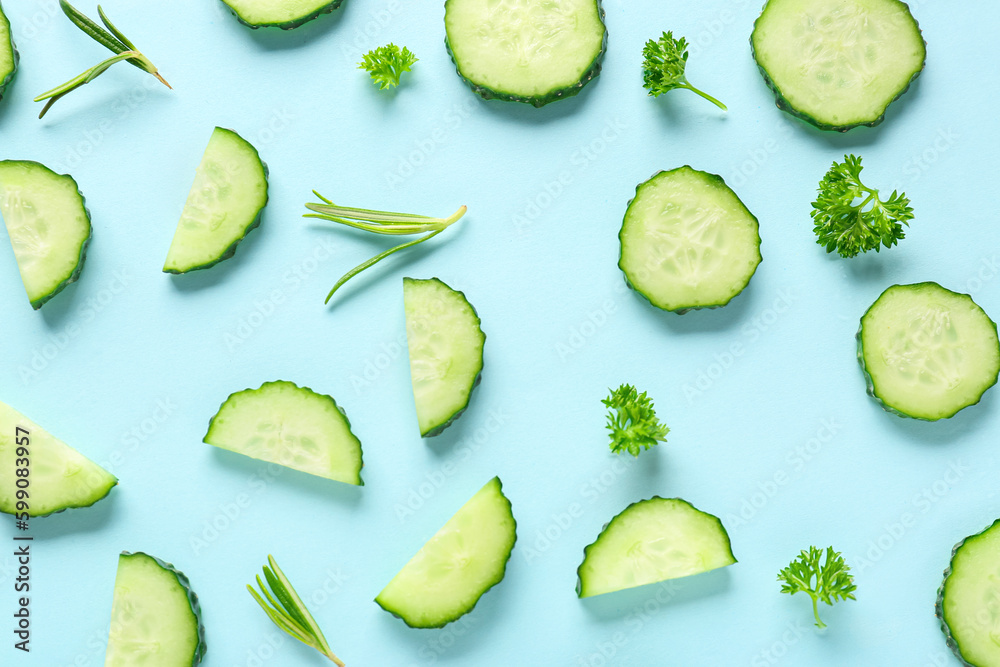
(224, 205)
(59, 476)
(285, 14)
(463, 560)
(534, 52)
(48, 224)
(838, 64)
(155, 616)
(650, 541)
(8, 54)
(968, 603)
(687, 241)
(927, 352)
(446, 351)
(292, 426)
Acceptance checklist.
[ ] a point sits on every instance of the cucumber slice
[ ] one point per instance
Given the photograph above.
(59, 476)
(535, 51)
(463, 560)
(284, 14)
(49, 227)
(292, 426)
(8, 54)
(224, 205)
(446, 351)
(650, 541)
(838, 64)
(687, 241)
(155, 616)
(927, 352)
(968, 603)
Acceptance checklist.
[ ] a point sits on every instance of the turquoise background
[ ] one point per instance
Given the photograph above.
(780, 440)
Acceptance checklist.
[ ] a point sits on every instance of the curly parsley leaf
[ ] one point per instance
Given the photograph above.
(387, 63)
(828, 581)
(850, 218)
(664, 61)
(632, 421)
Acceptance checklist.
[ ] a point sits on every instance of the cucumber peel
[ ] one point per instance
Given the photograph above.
(452, 571)
(284, 14)
(155, 616)
(8, 54)
(60, 477)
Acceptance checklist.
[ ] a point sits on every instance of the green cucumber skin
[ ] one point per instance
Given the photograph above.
(91, 504)
(939, 604)
(288, 25)
(9, 79)
(683, 311)
(784, 105)
(868, 378)
(73, 277)
(561, 94)
(586, 549)
(503, 573)
(231, 250)
(185, 583)
(439, 429)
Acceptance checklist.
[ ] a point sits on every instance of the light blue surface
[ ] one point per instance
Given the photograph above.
(129, 364)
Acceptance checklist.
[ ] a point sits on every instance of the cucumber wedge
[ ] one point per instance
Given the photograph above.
(446, 351)
(535, 52)
(463, 560)
(292, 426)
(155, 616)
(927, 352)
(59, 477)
(224, 205)
(48, 224)
(968, 603)
(687, 241)
(838, 64)
(8, 54)
(653, 540)
(285, 14)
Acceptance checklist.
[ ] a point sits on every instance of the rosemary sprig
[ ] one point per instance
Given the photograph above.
(113, 39)
(379, 222)
(286, 609)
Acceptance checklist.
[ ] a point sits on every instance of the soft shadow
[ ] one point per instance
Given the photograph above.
(245, 466)
(59, 308)
(871, 266)
(944, 431)
(860, 137)
(670, 593)
(552, 112)
(276, 39)
(675, 117)
(200, 279)
(77, 520)
(705, 319)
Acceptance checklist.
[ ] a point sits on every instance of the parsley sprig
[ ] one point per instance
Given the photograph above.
(828, 581)
(850, 217)
(632, 421)
(113, 39)
(387, 63)
(287, 610)
(664, 62)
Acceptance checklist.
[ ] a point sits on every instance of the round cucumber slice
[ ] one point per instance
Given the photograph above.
(48, 224)
(650, 541)
(223, 206)
(285, 14)
(155, 616)
(687, 241)
(927, 352)
(445, 344)
(8, 54)
(838, 64)
(60, 477)
(292, 426)
(533, 52)
(466, 558)
(968, 603)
